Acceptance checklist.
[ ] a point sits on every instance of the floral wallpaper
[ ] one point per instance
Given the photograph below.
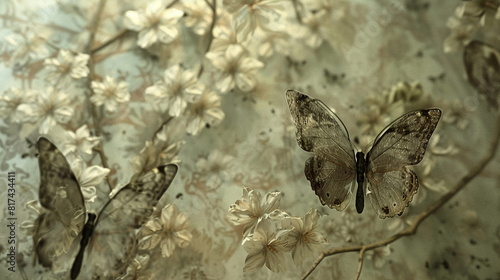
(123, 87)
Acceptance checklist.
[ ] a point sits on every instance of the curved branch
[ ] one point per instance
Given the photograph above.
(492, 149)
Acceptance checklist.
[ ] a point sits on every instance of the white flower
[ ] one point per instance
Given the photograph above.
(236, 68)
(305, 235)
(10, 101)
(266, 246)
(168, 231)
(28, 44)
(205, 112)
(66, 67)
(224, 36)
(247, 211)
(460, 36)
(314, 22)
(177, 89)
(47, 110)
(250, 14)
(198, 15)
(88, 176)
(154, 24)
(378, 255)
(79, 141)
(109, 93)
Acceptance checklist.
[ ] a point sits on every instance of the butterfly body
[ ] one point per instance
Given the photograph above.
(109, 236)
(335, 168)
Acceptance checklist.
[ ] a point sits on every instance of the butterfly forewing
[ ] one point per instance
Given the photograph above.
(114, 242)
(332, 170)
(403, 142)
(64, 217)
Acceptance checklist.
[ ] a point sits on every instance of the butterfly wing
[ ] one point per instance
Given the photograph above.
(332, 169)
(114, 241)
(64, 215)
(402, 143)
(482, 64)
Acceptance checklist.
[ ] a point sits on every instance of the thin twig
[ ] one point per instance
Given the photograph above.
(360, 260)
(433, 208)
(111, 40)
(95, 115)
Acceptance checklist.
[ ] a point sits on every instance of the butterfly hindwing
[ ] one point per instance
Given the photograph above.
(401, 143)
(63, 215)
(114, 241)
(332, 170)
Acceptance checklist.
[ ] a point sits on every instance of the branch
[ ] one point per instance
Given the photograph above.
(416, 222)
(95, 115)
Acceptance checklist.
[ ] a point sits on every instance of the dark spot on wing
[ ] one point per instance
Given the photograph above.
(385, 209)
(337, 202)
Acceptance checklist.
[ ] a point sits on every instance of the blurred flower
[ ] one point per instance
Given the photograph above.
(305, 235)
(154, 24)
(136, 269)
(66, 67)
(205, 112)
(224, 36)
(236, 68)
(198, 15)
(109, 93)
(28, 44)
(48, 109)
(378, 255)
(247, 211)
(216, 166)
(10, 101)
(250, 14)
(460, 36)
(316, 32)
(476, 9)
(177, 89)
(267, 246)
(80, 141)
(167, 231)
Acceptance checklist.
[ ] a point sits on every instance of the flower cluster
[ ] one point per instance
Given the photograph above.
(269, 233)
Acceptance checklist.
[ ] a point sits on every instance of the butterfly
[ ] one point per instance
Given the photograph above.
(482, 64)
(334, 169)
(61, 227)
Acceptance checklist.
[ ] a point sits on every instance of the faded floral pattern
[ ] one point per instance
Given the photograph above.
(123, 89)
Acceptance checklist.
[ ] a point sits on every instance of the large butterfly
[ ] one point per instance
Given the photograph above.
(111, 233)
(334, 168)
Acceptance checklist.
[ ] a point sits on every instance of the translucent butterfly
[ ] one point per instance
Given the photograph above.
(111, 234)
(334, 168)
(482, 63)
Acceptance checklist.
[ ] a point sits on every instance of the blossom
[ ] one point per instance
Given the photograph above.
(236, 68)
(205, 112)
(177, 89)
(250, 14)
(66, 66)
(48, 109)
(216, 165)
(10, 101)
(378, 255)
(154, 24)
(316, 33)
(79, 141)
(305, 235)
(109, 93)
(267, 246)
(167, 231)
(136, 270)
(247, 211)
(88, 176)
(460, 36)
(28, 44)
(197, 15)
